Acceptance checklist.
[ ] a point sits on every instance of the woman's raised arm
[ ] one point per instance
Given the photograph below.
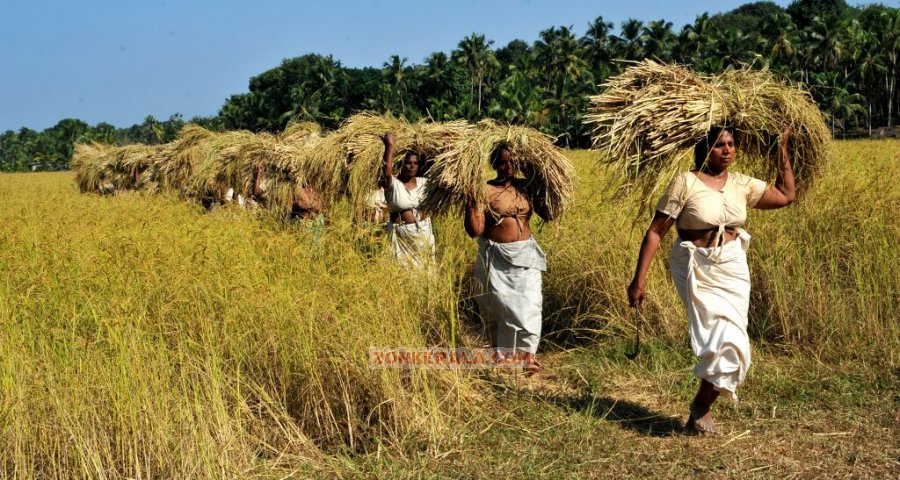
(387, 179)
(783, 192)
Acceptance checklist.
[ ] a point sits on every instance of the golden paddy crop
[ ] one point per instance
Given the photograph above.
(143, 337)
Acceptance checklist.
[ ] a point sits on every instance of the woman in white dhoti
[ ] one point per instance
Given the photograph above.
(708, 261)
(510, 262)
(412, 239)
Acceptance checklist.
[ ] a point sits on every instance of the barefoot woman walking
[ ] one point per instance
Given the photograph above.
(510, 262)
(708, 260)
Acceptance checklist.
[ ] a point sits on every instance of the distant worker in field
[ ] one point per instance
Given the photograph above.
(259, 187)
(412, 239)
(510, 263)
(708, 260)
(307, 202)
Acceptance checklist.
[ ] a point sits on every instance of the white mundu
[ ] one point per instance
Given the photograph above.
(509, 275)
(714, 283)
(412, 243)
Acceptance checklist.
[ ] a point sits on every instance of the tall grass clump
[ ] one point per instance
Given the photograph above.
(143, 338)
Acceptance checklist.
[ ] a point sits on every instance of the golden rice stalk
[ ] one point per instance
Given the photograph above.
(647, 121)
(461, 174)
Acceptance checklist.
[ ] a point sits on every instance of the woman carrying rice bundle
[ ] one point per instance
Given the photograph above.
(412, 239)
(708, 260)
(510, 262)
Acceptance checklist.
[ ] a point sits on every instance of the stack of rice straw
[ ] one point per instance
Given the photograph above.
(460, 174)
(647, 121)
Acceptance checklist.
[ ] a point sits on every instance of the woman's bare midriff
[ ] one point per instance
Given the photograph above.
(507, 229)
(707, 238)
(405, 217)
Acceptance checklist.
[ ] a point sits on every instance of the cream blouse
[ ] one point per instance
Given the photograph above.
(695, 206)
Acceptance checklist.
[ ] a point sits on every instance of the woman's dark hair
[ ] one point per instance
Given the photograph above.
(701, 149)
(410, 153)
(495, 154)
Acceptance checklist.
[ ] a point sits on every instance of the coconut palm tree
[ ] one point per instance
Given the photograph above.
(782, 38)
(564, 69)
(628, 43)
(474, 52)
(826, 39)
(597, 48)
(657, 38)
(394, 71)
(695, 40)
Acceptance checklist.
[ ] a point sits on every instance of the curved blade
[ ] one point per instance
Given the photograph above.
(637, 336)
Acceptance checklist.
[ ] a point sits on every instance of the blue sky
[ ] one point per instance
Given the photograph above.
(118, 61)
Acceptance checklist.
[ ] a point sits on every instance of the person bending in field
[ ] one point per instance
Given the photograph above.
(510, 262)
(412, 239)
(708, 261)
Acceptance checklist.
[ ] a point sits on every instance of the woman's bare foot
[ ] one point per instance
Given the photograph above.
(701, 422)
(531, 365)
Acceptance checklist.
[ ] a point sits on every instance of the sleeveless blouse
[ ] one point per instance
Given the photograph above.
(508, 202)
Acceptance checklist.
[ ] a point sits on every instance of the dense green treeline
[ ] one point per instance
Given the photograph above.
(846, 56)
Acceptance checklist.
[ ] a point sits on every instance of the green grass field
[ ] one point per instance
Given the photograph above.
(141, 337)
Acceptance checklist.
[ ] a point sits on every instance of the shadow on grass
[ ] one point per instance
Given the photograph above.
(628, 415)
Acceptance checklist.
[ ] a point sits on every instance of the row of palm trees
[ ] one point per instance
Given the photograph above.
(848, 61)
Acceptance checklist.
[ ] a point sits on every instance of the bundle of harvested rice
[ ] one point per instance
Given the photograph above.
(91, 163)
(299, 132)
(129, 162)
(175, 165)
(283, 170)
(325, 164)
(761, 107)
(361, 137)
(363, 141)
(217, 165)
(650, 117)
(461, 174)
